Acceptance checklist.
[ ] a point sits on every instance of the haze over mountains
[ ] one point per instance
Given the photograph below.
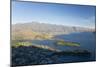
(36, 30)
(48, 28)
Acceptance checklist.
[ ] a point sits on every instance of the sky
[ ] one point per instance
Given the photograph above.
(59, 14)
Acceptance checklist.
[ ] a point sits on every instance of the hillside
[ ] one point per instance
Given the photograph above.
(38, 30)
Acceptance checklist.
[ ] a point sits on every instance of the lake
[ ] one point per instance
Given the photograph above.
(87, 41)
(32, 55)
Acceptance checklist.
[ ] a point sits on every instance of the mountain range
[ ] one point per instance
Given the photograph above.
(27, 29)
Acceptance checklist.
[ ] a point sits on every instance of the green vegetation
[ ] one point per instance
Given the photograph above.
(42, 35)
(63, 43)
(17, 44)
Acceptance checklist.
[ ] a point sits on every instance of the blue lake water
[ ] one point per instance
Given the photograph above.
(87, 41)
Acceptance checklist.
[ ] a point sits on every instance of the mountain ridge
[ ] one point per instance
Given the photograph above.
(29, 30)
